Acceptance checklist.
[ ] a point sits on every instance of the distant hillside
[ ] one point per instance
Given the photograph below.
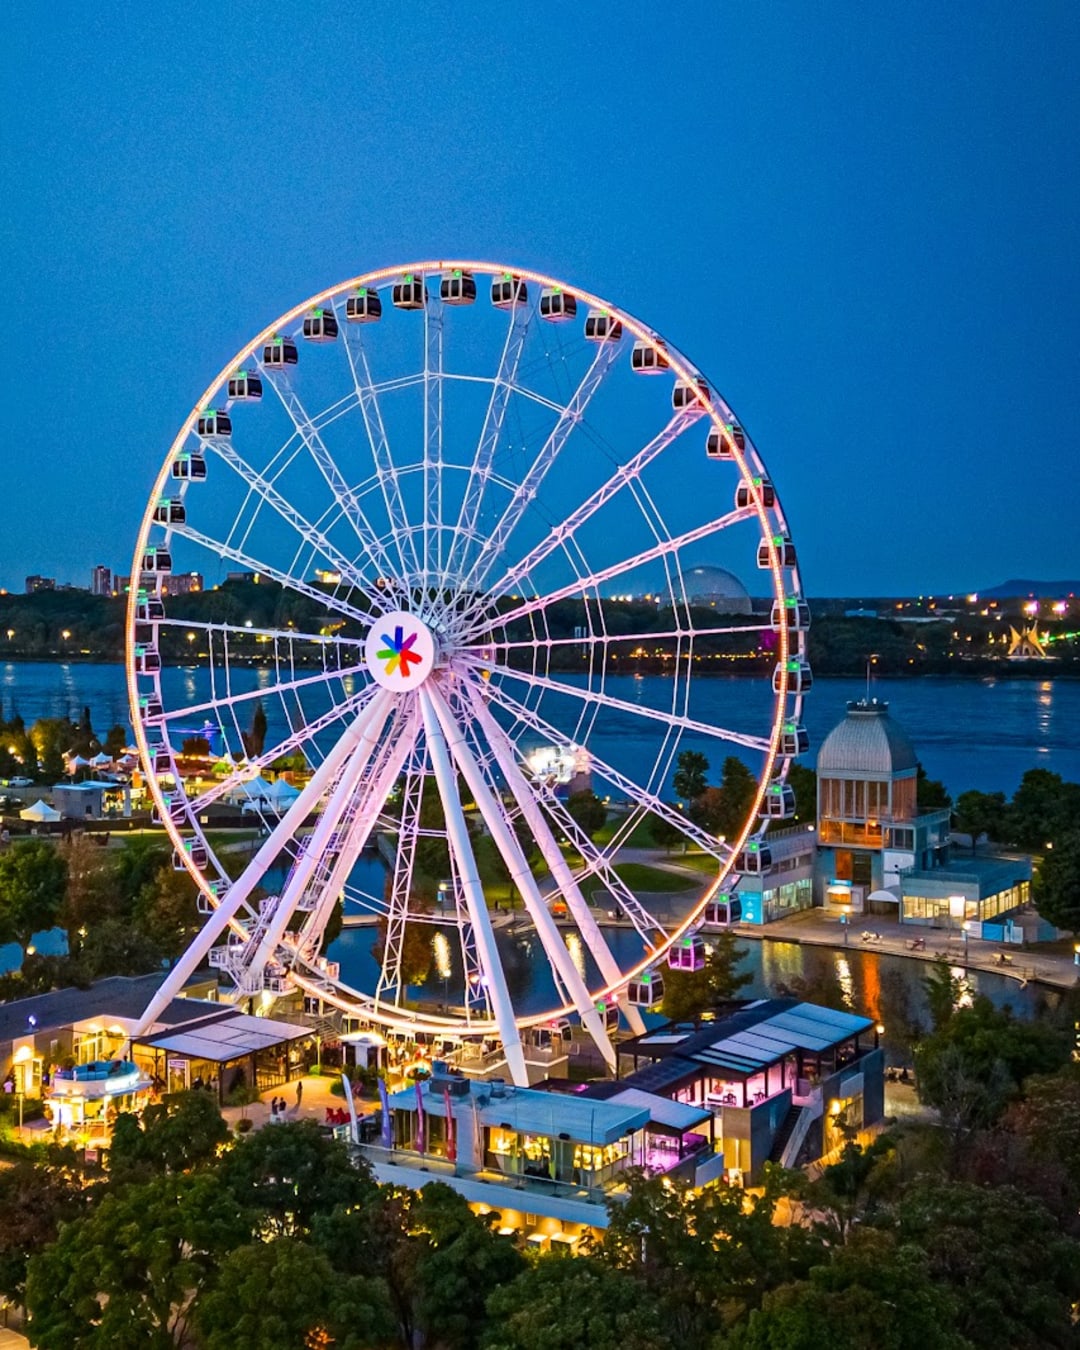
(1045, 590)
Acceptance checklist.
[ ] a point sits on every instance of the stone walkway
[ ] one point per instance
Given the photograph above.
(316, 1098)
(817, 927)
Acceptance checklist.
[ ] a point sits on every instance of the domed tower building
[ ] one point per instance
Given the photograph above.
(870, 830)
(878, 854)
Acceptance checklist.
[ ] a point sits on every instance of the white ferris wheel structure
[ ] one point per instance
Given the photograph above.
(465, 484)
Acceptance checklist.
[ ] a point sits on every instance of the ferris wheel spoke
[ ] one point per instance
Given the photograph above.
(626, 474)
(593, 698)
(310, 533)
(267, 691)
(570, 417)
(390, 981)
(433, 446)
(506, 842)
(639, 795)
(385, 470)
(285, 579)
(608, 639)
(334, 864)
(490, 435)
(461, 849)
(272, 634)
(576, 903)
(346, 498)
(295, 741)
(577, 588)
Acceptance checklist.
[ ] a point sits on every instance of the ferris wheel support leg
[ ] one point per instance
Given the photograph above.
(239, 892)
(552, 854)
(522, 877)
(316, 845)
(458, 834)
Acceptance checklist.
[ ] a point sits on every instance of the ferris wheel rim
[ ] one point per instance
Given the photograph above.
(681, 369)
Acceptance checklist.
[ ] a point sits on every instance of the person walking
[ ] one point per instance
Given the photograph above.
(299, 1093)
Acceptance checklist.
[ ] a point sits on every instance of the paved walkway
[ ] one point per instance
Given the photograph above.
(817, 927)
(314, 1101)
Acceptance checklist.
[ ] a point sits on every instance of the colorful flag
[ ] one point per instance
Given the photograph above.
(451, 1142)
(387, 1120)
(420, 1138)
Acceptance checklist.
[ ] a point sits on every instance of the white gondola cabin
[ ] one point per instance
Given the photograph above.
(364, 307)
(150, 708)
(785, 550)
(195, 850)
(686, 395)
(687, 954)
(718, 445)
(148, 607)
(647, 991)
(458, 288)
(147, 660)
(189, 468)
(796, 611)
(779, 803)
(162, 761)
(170, 511)
(157, 561)
(508, 290)
(279, 352)
(320, 325)
(799, 677)
(723, 910)
(755, 859)
(746, 494)
(609, 1012)
(555, 1035)
(214, 425)
(557, 305)
(648, 358)
(602, 326)
(409, 293)
(794, 739)
(245, 387)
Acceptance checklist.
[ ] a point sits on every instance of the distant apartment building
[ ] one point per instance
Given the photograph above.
(35, 584)
(101, 580)
(182, 583)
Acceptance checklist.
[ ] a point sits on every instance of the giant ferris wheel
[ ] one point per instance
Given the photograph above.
(475, 498)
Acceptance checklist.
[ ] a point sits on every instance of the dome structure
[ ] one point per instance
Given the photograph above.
(867, 744)
(717, 587)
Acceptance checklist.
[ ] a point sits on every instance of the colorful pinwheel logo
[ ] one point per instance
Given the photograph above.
(398, 653)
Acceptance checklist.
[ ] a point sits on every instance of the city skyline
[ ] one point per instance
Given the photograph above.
(861, 242)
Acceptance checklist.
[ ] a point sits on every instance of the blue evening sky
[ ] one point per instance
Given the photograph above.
(860, 219)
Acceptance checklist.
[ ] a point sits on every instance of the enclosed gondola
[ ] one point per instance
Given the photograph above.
(725, 909)
(245, 387)
(799, 677)
(755, 859)
(785, 551)
(189, 468)
(690, 395)
(409, 293)
(779, 803)
(796, 611)
(602, 326)
(647, 991)
(148, 607)
(213, 424)
(648, 358)
(320, 325)
(279, 352)
(364, 307)
(195, 850)
(170, 511)
(557, 305)
(747, 494)
(157, 560)
(458, 288)
(687, 954)
(794, 739)
(508, 290)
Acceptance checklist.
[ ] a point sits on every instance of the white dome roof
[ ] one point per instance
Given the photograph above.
(718, 587)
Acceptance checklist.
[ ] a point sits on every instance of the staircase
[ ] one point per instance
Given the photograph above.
(784, 1133)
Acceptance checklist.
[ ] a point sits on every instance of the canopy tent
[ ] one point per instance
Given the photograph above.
(257, 794)
(78, 762)
(101, 758)
(40, 811)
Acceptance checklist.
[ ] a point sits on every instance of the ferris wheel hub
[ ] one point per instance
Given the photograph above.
(399, 652)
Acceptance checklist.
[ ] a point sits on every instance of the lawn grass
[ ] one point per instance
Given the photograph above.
(641, 877)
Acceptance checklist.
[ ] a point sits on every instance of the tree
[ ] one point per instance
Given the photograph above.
(293, 1173)
(1042, 807)
(564, 1305)
(1014, 1276)
(871, 1294)
(255, 737)
(35, 1200)
(126, 1276)
(665, 833)
(116, 947)
(930, 793)
(90, 892)
(739, 787)
(587, 811)
(115, 741)
(32, 880)
(803, 782)
(707, 810)
(687, 994)
(184, 1131)
(281, 1293)
(690, 779)
(943, 990)
(1057, 883)
(166, 911)
(978, 813)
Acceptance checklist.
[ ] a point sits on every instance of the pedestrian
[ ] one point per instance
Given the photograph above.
(299, 1093)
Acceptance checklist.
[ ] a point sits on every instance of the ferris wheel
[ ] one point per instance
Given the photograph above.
(445, 516)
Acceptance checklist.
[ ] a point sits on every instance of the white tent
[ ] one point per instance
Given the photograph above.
(40, 811)
(101, 758)
(77, 762)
